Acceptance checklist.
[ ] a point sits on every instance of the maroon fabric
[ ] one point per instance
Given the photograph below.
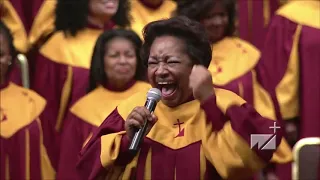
(247, 83)
(309, 56)
(252, 26)
(151, 5)
(21, 9)
(145, 147)
(274, 57)
(15, 75)
(49, 85)
(272, 67)
(213, 112)
(74, 134)
(124, 88)
(3, 151)
(4, 85)
(163, 155)
(108, 25)
(14, 149)
(36, 5)
(80, 84)
(48, 82)
(89, 165)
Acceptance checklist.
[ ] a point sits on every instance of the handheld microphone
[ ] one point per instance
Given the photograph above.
(153, 97)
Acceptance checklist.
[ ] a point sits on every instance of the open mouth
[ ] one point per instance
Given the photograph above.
(167, 89)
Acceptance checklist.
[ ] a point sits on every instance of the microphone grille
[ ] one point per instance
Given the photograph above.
(154, 93)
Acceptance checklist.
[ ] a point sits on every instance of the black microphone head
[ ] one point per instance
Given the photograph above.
(154, 94)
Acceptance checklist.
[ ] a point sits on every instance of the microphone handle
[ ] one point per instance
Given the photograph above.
(139, 135)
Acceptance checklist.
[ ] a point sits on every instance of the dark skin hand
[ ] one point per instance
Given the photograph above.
(136, 119)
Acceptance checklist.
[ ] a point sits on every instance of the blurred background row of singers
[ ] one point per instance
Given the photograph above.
(67, 64)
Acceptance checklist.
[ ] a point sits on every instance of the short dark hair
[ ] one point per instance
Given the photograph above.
(197, 44)
(71, 15)
(6, 32)
(97, 72)
(198, 9)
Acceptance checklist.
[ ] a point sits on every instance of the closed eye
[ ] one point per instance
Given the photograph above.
(173, 62)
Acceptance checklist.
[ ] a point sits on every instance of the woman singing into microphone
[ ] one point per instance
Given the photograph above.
(196, 131)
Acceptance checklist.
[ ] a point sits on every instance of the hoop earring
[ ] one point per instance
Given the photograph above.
(9, 63)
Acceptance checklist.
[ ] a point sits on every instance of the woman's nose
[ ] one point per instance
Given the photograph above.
(162, 70)
(122, 59)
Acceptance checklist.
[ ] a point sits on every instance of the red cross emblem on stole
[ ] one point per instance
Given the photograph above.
(217, 68)
(181, 131)
(3, 116)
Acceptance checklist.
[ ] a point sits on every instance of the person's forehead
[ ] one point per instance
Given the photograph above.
(167, 43)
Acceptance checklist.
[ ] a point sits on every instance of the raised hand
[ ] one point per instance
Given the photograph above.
(200, 81)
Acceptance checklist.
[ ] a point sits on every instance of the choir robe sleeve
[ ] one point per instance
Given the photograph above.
(244, 82)
(105, 149)
(227, 143)
(23, 153)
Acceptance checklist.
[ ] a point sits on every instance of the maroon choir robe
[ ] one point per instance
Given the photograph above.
(190, 141)
(22, 152)
(84, 117)
(254, 17)
(62, 74)
(289, 66)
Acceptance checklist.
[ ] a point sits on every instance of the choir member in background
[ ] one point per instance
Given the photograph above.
(253, 19)
(233, 60)
(23, 154)
(290, 68)
(28, 21)
(195, 127)
(116, 73)
(146, 11)
(62, 64)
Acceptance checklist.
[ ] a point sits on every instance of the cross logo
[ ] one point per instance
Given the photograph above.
(216, 68)
(3, 116)
(181, 132)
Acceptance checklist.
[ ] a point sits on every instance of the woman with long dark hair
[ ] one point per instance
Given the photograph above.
(196, 131)
(23, 154)
(233, 59)
(62, 64)
(116, 73)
